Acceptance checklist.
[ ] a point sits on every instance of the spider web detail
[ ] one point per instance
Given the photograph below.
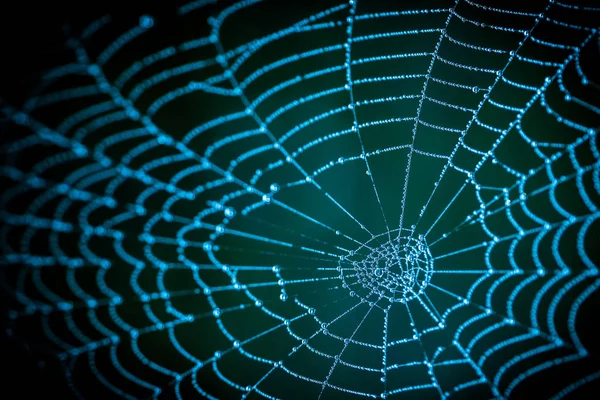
(337, 198)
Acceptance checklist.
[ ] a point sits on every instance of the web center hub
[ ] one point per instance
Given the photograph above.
(399, 269)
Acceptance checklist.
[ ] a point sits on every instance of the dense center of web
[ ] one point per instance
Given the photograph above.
(399, 269)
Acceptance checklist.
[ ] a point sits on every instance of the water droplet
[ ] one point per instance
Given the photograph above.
(146, 21)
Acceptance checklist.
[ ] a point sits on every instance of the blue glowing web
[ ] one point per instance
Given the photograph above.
(231, 198)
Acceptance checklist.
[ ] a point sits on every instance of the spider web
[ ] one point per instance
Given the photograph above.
(349, 200)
